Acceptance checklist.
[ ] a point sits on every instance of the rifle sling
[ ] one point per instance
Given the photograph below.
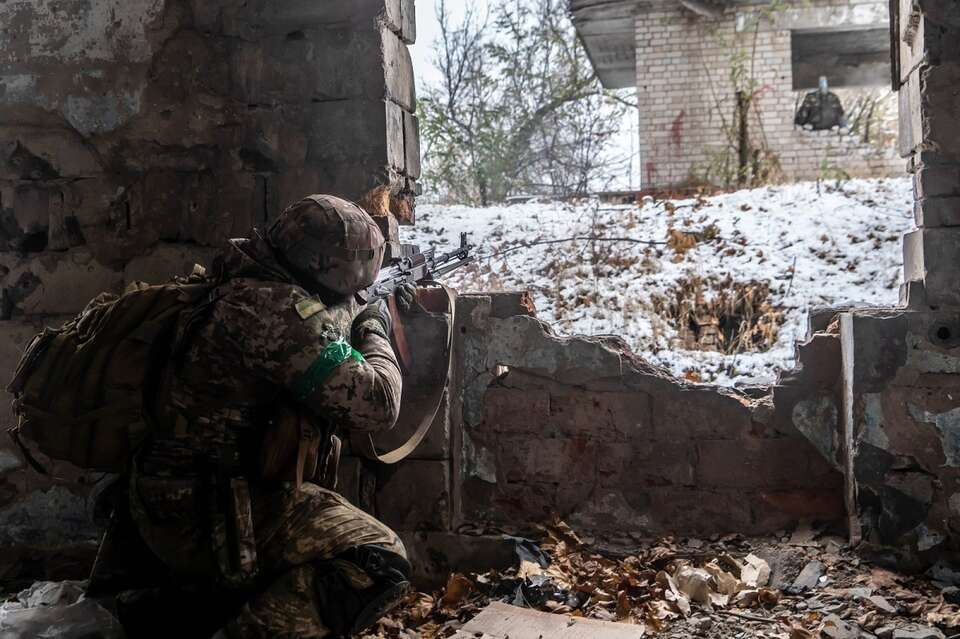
(363, 443)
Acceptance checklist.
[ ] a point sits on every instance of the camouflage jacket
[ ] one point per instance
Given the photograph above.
(820, 111)
(263, 341)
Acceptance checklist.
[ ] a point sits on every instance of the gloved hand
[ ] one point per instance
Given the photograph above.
(374, 318)
(406, 298)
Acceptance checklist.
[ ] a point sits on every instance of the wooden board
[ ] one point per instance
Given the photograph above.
(501, 621)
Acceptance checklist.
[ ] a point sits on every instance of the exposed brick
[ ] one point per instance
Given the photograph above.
(679, 56)
(516, 410)
(517, 503)
(607, 416)
(691, 511)
(663, 464)
(777, 509)
(767, 463)
(931, 256)
(560, 460)
(937, 211)
(694, 414)
(415, 495)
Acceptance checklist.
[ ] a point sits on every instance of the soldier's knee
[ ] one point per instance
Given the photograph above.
(359, 586)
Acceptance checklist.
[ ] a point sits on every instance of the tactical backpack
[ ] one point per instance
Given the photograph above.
(81, 390)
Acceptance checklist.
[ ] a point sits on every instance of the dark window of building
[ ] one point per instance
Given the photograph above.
(852, 58)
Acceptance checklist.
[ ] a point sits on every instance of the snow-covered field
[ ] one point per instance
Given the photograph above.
(835, 246)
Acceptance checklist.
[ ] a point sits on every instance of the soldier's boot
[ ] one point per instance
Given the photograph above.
(360, 586)
(330, 598)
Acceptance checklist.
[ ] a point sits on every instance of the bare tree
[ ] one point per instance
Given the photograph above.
(519, 108)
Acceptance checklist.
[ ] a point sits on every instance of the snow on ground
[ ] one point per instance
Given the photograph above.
(836, 244)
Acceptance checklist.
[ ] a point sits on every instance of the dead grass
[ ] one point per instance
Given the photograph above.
(721, 315)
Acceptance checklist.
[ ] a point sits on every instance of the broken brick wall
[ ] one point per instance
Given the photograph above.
(901, 367)
(136, 136)
(540, 425)
(902, 433)
(582, 428)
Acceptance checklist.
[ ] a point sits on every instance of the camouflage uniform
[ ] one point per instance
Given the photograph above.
(821, 111)
(223, 492)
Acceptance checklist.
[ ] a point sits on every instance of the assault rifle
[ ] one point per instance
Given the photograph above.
(415, 267)
(412, 267)
(422, 400)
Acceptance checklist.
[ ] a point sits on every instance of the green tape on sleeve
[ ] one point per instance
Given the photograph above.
(333, 355)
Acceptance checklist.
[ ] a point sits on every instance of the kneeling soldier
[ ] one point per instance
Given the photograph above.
(229, 487)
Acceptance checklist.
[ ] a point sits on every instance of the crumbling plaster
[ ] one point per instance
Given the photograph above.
(903, 434)
(901, 367)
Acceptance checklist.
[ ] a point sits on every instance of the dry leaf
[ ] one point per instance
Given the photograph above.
(768, 596)
(529, 569)
(458, 588)
(797, 632)
(882, 578)
(623, 606)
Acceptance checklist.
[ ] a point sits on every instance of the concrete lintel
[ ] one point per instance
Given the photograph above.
(870, 15)
(607, 32)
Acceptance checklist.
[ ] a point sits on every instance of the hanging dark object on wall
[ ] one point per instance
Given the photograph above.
(821, 110)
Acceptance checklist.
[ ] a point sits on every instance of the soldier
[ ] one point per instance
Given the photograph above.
(228, 488)
(821, 110)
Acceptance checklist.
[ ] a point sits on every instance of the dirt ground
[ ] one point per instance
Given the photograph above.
(798, 585)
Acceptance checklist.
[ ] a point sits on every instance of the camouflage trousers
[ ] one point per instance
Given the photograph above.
(295, 530)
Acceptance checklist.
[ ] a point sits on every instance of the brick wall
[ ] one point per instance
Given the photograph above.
(537, 425)
(901, 367)
(677, 461)
(686, 98)
(581, 428)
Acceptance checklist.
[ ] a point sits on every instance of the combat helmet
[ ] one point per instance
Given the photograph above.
(328, 243)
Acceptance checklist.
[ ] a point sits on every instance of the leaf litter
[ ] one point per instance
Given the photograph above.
(725, 587)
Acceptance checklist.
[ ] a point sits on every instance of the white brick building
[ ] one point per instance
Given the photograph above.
(689, 58)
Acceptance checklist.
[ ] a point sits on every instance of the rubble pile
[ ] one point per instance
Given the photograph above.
(793, 586)
(56, 610)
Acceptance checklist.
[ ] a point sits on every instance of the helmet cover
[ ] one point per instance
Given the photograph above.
(329, 242)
